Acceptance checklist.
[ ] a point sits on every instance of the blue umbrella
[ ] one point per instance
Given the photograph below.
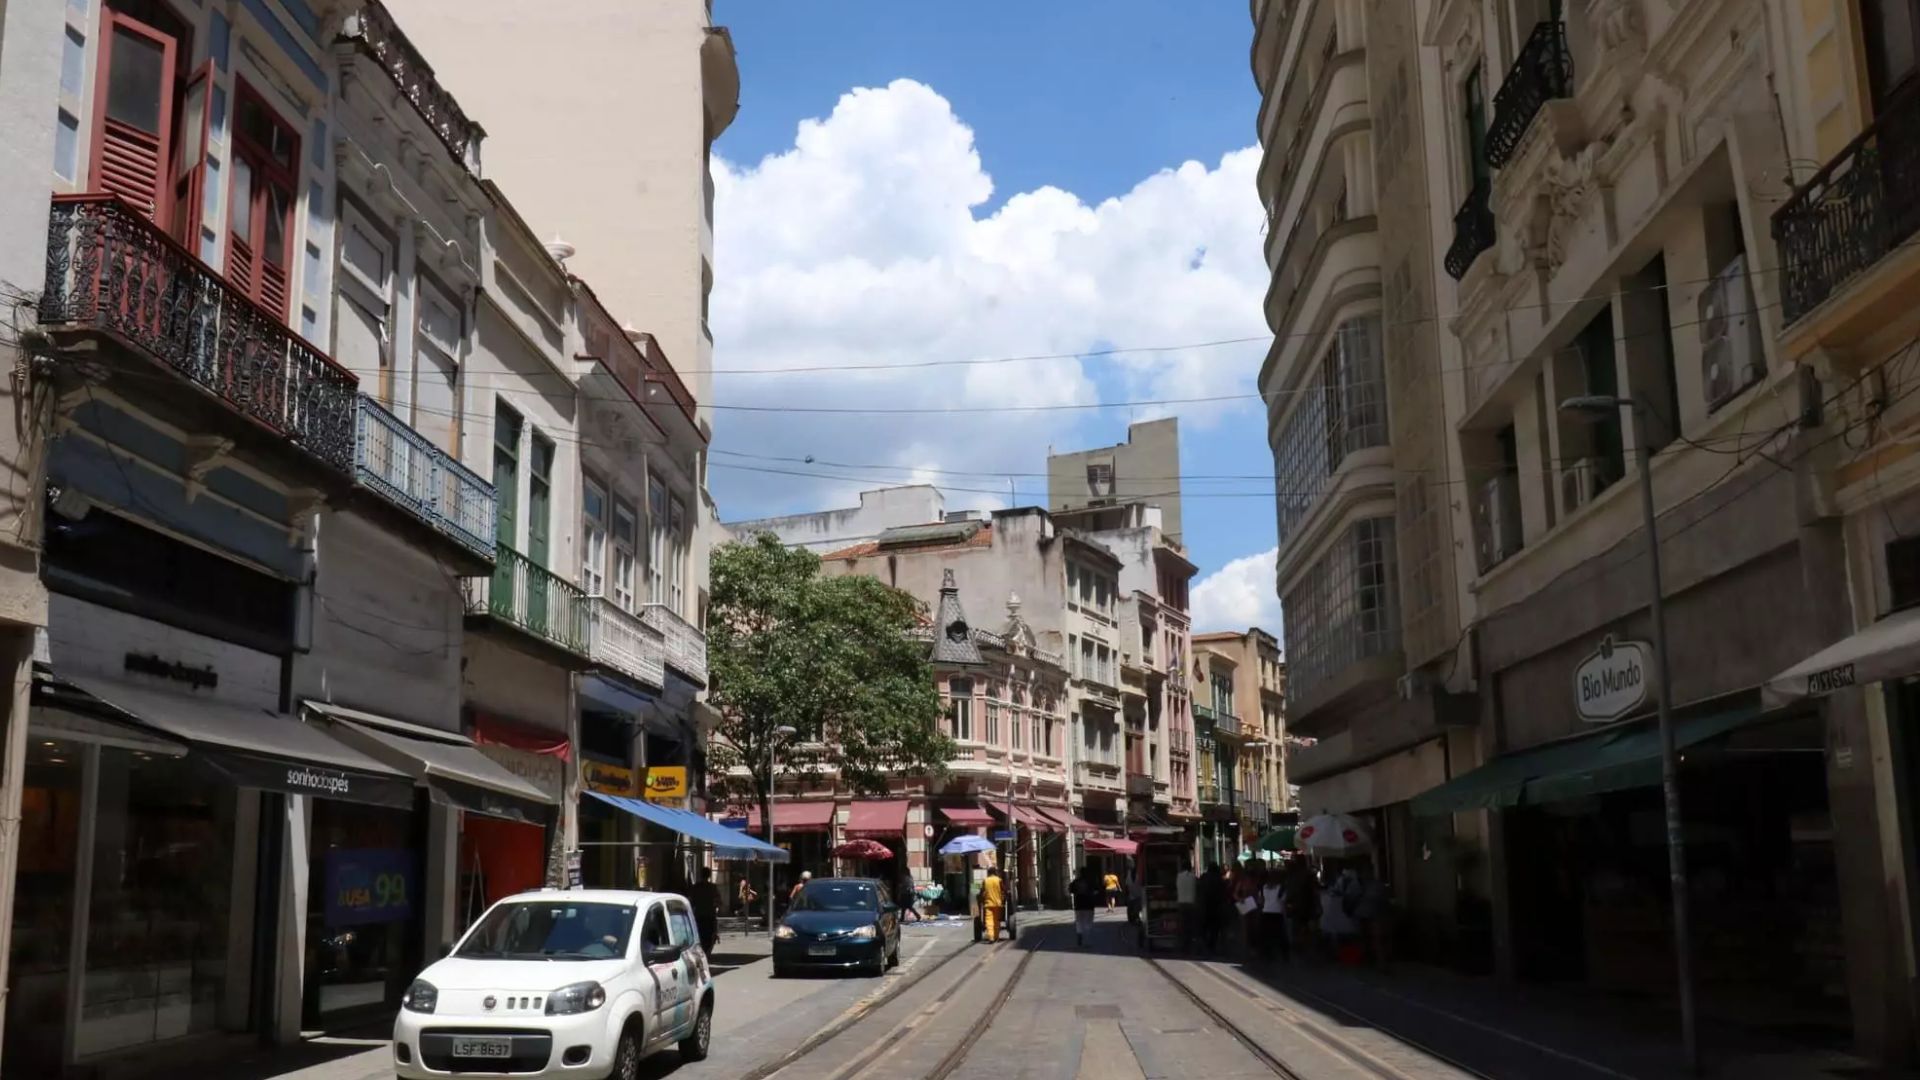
(965, 845)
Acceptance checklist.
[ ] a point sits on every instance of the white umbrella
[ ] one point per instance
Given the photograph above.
(1332, 836)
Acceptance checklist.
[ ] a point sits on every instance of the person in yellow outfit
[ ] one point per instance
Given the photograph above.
(993, 902)
(1112, 883)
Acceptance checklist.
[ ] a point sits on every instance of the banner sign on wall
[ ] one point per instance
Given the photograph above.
(369, 885)
(666, 783)
(608, 779)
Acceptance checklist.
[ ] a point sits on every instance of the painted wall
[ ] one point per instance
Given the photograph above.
(828, 530)
(386, 626)
(1146, 469)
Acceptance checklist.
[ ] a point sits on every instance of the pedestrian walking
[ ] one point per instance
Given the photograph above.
(1186, 894)
(993, 902)
(1112, 882)
(1301, 899)
(1247, 885)
(705, 898)
(1273, 920)
(1085, 891)
(904, 898)
(793, 893)
(1213, 906)
(1375, 914)
(746, 896)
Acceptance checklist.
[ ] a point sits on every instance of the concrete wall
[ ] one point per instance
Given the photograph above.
(612, 89)
(386, 626)
(30, 42)
(828, 530)
(1146, 469)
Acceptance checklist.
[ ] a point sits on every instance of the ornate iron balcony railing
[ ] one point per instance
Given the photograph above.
(419, 477)
(686, 645)
(625, 642)
(373, 29)
(111, 271)
(1855, 211)
(1543, 71)
(1473, 227)
(524, 594)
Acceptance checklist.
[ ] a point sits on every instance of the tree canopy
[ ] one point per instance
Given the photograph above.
(836, 658)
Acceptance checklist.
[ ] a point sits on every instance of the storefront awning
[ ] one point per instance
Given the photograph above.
(875, 818)
(455, 771)
(967, 817)
(1616, 759)
(1150, 822)
(1889, 649)
(727, 843)
(794, 817)
(1100, 845)
(253, 747)
(1068, 820)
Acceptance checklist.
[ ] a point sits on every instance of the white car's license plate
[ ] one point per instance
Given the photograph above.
(483, 1048)
(821, 950)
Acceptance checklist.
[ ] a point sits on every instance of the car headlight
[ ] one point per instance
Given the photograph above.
(421, 997)
(864, 933)
(578, 998)
(783, 931)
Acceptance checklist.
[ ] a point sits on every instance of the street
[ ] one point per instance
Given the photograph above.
(1041, 1008)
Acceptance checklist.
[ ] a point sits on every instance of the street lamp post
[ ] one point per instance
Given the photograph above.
(1598, 407)
(781, 732)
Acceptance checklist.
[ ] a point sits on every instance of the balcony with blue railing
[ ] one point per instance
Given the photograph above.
(403, 467)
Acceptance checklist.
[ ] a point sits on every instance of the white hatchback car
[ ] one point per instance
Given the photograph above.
(550, 984)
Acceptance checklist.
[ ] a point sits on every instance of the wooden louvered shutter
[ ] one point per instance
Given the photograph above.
(133, 105)
(260, 206)
(190, 158)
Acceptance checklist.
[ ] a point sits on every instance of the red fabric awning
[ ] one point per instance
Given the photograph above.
(490, 730)
(1105, 845)
(967, 817)
(1069, 820)
(1033, 818)
(794, 817)
(877, 817)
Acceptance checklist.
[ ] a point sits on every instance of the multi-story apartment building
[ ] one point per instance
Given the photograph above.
(1019, 713)
(1365, 469)
(1144, 470)
(1259, 703)
(1638, 217)
(831, 530)
(318, 415)
(1221, 739)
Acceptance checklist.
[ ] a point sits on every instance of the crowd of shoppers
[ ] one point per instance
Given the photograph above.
(1266, 912)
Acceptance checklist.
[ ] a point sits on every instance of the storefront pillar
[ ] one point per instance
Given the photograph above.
(296, 825)
(440, 877)
(16, 658)
(236, 1004)
(1500, 895)
(1871, 888)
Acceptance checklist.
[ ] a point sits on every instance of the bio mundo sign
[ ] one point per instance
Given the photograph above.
(1614, 680)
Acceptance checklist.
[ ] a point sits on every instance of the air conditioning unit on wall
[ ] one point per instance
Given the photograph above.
(1731, 358)
(1579, 483)
(1497, 520)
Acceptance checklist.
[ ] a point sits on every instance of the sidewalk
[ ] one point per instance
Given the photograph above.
(1530, 1030)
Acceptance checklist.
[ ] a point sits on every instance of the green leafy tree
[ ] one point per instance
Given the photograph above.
(834, 658)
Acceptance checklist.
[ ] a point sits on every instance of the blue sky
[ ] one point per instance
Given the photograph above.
(1008, 180)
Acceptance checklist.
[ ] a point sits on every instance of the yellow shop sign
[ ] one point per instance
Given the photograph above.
(608, 779)
(666, 783)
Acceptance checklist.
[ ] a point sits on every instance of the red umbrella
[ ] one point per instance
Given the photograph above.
(863, 849)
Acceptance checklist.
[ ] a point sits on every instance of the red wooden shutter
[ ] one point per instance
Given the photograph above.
(190, 158)
(266, 155)
(133, 104)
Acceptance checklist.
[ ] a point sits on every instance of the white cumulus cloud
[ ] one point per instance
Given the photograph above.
(1238, 595)
(865, 245)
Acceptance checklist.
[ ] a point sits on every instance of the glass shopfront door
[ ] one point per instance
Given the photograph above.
(37, 978)
(364, 910)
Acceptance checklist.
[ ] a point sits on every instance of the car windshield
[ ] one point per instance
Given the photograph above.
(836, 896)
(550, 930)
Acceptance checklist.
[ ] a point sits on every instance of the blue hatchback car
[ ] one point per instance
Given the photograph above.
(838, 923)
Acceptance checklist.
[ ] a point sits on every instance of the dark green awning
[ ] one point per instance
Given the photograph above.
(1616, 759)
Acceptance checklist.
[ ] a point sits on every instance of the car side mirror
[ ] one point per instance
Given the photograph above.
(661, 954)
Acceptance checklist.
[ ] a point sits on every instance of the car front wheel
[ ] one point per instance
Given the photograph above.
(626, 1056)
(694, 1047)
